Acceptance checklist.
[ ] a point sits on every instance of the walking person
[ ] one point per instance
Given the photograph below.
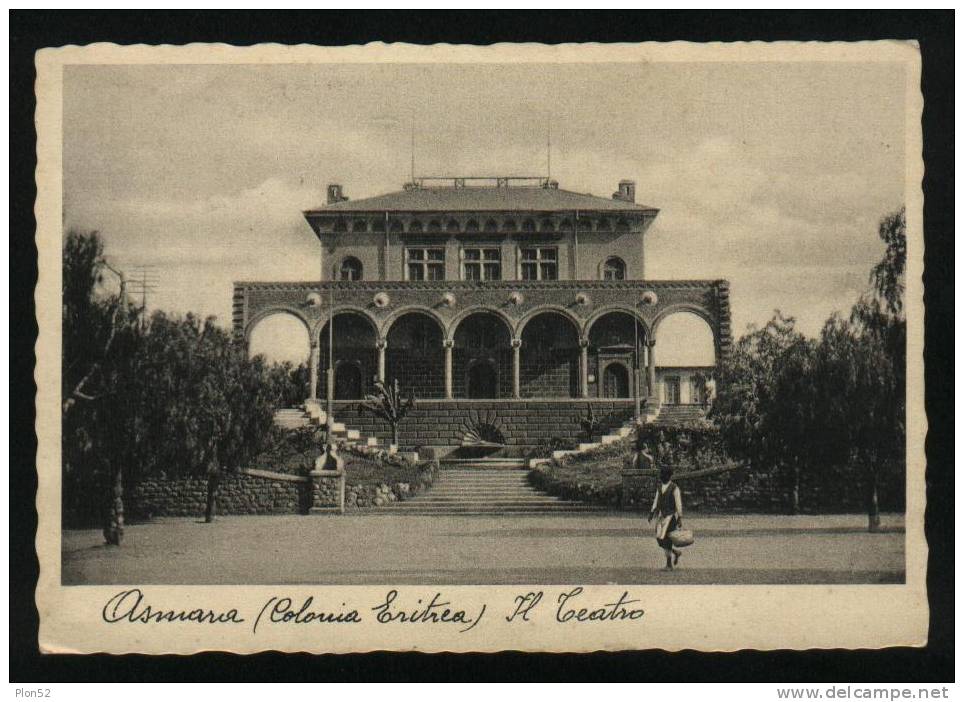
(668, 511)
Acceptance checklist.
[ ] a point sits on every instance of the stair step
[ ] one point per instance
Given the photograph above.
(469, 511)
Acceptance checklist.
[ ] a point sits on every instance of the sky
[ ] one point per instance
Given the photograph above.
(772, 175)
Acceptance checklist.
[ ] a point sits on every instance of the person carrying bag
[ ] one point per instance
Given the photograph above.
(668, 512)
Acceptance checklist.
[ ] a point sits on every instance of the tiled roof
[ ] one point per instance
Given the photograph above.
(478, 199)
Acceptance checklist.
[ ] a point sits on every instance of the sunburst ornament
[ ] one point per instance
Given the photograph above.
(482, 429)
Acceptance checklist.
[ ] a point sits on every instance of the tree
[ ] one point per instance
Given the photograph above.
(99, 337)
(389, 404)
(861, 362)
(163, 396)
(764, 407)
(887, 277)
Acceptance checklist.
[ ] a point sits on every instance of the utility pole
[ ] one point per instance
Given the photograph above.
(143, 280)
(330, 374)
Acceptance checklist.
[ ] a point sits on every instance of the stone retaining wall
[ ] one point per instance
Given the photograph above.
(740, 490)
(260, 492)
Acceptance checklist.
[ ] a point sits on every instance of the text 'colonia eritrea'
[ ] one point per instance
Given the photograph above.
(131, 606)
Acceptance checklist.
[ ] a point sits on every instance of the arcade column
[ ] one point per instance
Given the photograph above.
(447, 345)
(516, 363)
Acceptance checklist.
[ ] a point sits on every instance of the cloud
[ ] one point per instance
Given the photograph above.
(771, 176)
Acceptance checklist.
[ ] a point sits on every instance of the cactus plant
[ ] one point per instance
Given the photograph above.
(388, 403)
(589, 423)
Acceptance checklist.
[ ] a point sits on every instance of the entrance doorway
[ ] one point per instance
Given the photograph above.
(615, 381)
(348, 382)
(482, 381)
(672, 390)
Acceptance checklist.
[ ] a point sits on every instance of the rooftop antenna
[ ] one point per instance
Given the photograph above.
(413, 146)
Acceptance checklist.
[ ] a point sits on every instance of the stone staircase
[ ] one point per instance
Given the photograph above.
(615, 435)
(298, 417)
(479, 487)
(679, 414)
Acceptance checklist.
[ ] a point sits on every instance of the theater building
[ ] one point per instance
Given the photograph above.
(506, 305)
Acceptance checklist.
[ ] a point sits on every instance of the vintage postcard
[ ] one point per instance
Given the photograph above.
(457, 348)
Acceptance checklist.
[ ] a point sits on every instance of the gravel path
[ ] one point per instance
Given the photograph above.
(538, 549)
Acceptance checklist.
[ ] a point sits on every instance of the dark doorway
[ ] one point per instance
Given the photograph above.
(348, 382)
(482, 381)
(616, 381)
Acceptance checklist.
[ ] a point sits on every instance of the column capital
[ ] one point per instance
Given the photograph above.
(381, 344)
(448, 343)
(516, 343)
(313, 344)
(651, 341)
(584, 343)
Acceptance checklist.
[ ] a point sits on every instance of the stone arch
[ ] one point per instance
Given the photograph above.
(340, 225)
(434, 226)
(509, 225)
(291, 341)
(359, 225)
(622, 225)
(603, 225)
(615, 379)
(472, 226)
(454, 323)
(690, 307)
(687, 337)
(612, 334)
(351, 268)
(270, 311)
(482, 337)
(490, 227)
(547, 225)
(549, 356)
(452, 226)
(322, 324)
(355, 336)
(609, 309)
(612, 268)
(547, 309)
(396, 226)
(528, 225)
(415, 227)
(415, 354)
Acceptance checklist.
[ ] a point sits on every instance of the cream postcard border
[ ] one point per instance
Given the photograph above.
(716, 617)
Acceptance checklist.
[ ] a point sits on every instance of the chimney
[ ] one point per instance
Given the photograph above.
(335, 194)
(626, 192)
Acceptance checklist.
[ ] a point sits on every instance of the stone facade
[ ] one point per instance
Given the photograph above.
(526, 423)
(513, 291)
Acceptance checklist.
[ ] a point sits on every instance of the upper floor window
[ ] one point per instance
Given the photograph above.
(425, 263)
(614, 269)
(540, 263)
(351, 269)
(482, 264)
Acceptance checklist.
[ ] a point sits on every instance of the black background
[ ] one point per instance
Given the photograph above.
(31, 30)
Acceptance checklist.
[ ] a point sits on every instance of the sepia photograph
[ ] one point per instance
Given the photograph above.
(536, 323)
